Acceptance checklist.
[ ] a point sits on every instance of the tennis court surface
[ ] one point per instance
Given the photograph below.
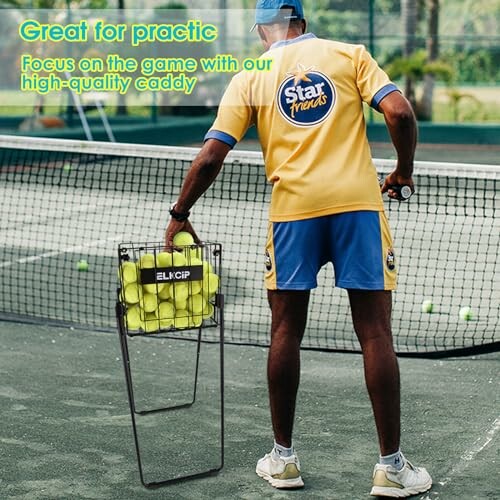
(66, 430)
(66, 427)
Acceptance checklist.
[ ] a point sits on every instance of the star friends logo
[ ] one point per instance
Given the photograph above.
(306, 97)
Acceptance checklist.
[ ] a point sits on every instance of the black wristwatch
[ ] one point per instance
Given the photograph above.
(178, 216)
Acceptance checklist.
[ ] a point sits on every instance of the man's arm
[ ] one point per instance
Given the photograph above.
(203, 171)
(402, 125)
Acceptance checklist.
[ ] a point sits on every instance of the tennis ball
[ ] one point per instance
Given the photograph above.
(166, 314)
(210, 284)
(181, 319)
(196, 304)
(147, 261)
(67, 167)
(132, 293)
(154, 288)
(183, 238)
(194, 253)
(180, 304)
(427, 306)
(196, 320)
(149, 302)
(465, 313)
(128, 272)
(164, 293)
(133, 318)
(151, 323)
(178, 259)
(164, 259)
(179, 291)
(194, 287)
(208, 311)
(82, 265)
(207, 267)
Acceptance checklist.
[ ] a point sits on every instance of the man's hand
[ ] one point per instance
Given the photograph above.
(175, 227)
(395, 179)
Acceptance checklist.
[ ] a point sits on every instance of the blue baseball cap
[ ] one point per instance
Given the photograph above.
(269, 11)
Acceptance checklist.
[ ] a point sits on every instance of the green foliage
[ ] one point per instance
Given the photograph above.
(417, 66)
(456, 97)
(480, 65)
(172, 6)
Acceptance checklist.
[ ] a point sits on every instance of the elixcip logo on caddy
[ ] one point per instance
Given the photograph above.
(306, 97)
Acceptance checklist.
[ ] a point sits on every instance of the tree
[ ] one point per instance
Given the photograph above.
(424, 107)
(409, 19)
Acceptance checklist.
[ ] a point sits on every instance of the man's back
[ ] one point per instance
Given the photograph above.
(309, 116)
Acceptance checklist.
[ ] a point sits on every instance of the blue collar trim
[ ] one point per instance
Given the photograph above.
(301, 38)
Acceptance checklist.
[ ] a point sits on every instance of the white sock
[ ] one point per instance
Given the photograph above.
(282, 451)
(396, 460)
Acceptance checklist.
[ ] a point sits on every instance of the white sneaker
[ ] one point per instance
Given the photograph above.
(410, 480)
(281, 472)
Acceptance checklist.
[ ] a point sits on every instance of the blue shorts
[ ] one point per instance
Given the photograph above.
(359, 244)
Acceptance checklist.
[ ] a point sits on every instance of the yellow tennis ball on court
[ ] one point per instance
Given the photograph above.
(149, 302)
(465, 313)
(164, 259)
(427, 306)
(128, 272)
(183, 238)
(179, 291)
(133, 318)
(164, 293)
(151, 323)
(132, 293)
(147, 261)
(210, 284)
(82, 265)
(181, 319)
(166, 314)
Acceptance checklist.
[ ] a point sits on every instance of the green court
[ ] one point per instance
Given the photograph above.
(66, 425)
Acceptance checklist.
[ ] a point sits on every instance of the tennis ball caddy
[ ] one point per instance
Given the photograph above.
(170, 293)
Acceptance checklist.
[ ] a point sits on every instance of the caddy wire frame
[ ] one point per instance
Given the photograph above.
(158, 276)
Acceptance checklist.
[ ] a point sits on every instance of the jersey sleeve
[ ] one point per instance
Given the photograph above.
(235, 114)
(373, 83)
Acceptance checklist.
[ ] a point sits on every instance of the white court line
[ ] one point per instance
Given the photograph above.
(479, 445)
(33, 258)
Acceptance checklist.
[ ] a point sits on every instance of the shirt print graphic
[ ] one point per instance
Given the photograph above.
(306, 97)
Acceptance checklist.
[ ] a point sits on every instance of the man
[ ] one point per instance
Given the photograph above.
(326, 206)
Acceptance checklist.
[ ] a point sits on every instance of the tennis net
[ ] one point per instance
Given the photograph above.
(68, 200)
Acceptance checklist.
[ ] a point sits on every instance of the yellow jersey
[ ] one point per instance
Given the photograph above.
(308, 110)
